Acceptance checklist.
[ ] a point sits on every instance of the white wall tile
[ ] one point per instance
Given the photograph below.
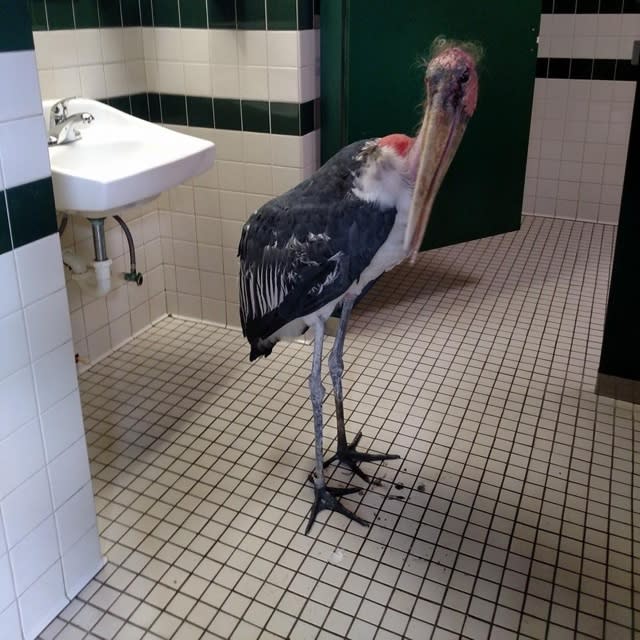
(140, 317)
(48, 323)
(133, 44)
(226, 80)
(283, 48)
(608, 213)
(21, 455)
(259, 178)
(253, 83)
(223, 46)
(62, 425)
(13, 344)
(195, 45)
(307, 47)
(112, 42)
(171, 77)
(34, 554)
(18, 70)
(157, 306)
(283, 84)
(209, 231)
(10, 626)
(197, 79)
(189, 306)
(26, 507)
(75, 517)
(81, 562)
(96, 315)
(69, 472)
(188, 280)
(214, 311)
(43, 600)
(55, 375)
(7, 591)
(233, 206)
(55, 49)
(209, 258)
(256, 147)
(168, 44)
(252, 47)
(120, 330)
(39, 267)
(67, 81)
(149, 43)
(231, 175)
(47, 83)
(228, 145)
(285, 178)
(17, 402)
(88, 46)
(99, 343)
(10, 298)
(116, 78)
(287, 151)
(23, 151)
(3, 543)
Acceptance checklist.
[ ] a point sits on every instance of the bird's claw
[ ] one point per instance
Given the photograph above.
(348, 456)
(327, 498)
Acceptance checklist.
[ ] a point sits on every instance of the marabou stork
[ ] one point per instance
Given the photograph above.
(363, 212)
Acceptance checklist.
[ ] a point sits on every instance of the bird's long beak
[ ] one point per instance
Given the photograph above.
(440, 134)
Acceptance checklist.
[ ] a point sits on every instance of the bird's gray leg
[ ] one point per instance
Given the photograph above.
(336, 368)
(347, 453)
(317, 391)
(325, 497)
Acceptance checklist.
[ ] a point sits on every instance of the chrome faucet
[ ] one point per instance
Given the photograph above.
(62, 126)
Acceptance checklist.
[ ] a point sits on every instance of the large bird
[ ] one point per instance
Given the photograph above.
(318, 245)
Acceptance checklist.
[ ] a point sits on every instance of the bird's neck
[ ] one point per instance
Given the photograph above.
(405, 147)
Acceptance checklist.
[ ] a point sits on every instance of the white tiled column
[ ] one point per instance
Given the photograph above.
(49, 545)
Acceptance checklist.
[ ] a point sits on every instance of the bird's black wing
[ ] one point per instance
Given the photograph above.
(305, 248)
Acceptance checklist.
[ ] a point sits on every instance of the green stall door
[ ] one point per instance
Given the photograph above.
(372, 85)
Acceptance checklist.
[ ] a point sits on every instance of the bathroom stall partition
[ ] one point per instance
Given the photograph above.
(372, 85)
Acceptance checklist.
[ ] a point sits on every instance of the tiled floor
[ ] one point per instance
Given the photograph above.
(510, 514)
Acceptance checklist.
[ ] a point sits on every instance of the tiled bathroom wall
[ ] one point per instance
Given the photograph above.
(244, 75)
(94, 49)
(49, 545)
(582, 108)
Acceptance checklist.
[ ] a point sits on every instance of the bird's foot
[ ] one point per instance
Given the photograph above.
(327, 498)
(348, 456)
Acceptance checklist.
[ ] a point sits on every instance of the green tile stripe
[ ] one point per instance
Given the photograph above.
(5, 235)
(196, 14)
(15, 26)
(27, 213)
(221, 113)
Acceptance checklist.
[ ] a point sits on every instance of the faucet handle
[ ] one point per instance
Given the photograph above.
(60, 110)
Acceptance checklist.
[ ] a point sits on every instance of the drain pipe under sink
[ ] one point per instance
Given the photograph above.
(102, 264)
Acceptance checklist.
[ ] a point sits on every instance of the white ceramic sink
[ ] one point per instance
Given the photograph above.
(120, 160)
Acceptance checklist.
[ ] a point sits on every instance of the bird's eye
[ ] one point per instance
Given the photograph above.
(465, 76)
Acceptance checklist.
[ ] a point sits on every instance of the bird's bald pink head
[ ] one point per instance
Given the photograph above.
(451, 72)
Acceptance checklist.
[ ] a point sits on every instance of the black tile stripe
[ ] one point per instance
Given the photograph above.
(212, 14)
(221, 113)
(27, 213)
(5, 236)
(590, 6)
(587, 69)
